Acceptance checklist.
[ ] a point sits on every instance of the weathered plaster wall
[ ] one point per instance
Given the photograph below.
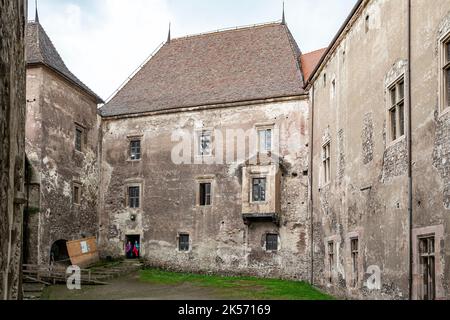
(368, 193)
(221, 242)
(54, 108)
(12, 153)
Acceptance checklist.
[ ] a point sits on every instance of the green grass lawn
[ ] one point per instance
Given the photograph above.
(238, 287)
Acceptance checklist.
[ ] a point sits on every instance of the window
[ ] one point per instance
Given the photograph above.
(135, 149)
(134, 197)
(330, 260)
(324, 79)
(76, 197)
(397, 110)
(355, 258)
(265, 140)
(446, 75)
(259, 190)
(272, 242)
(326, 162)
(367, 23)
(333, 88)
(79, 133)
(205, 194)
(427, 267)
(204, 143)
(183, 242)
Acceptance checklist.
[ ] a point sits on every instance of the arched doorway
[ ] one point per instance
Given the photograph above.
(59, 253)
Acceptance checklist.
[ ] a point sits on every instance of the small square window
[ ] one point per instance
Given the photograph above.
(183, 242)
(259, 190)
(135, 150)
(134, 197)
(272, 242)
(205, 194)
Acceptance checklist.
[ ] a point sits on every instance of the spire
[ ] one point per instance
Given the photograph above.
(36, 17)
(283, 21)
(169, 37)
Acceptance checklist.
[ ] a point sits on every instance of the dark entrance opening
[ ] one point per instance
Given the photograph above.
(59, 253)
(133, 246)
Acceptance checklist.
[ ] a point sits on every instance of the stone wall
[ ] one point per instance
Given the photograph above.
(368, 197)
(55, 108)
(220, 240)
(12, 156)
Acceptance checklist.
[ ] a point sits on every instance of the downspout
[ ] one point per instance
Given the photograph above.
(409, 146)
(310, 177)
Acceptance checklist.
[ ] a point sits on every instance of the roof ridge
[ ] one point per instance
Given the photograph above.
(230, 29)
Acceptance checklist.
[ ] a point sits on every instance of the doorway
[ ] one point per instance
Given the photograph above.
(133, 247)
(59, 253)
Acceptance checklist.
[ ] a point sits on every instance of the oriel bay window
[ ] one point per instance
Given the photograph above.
(397, 110)
(259, 189)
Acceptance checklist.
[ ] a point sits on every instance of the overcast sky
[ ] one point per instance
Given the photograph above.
(103, 41)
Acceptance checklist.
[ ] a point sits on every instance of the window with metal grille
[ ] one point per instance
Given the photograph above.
(205, 194)
(135, 150)
(205, 143)
(330, 260)
(183, 242)
(326, 162)
(397, 110)
(446, 75)
(265, 140)
(134, 197)
(272, 242)
(259, 190)
(355, 261)
(79, 139)
(428, 267)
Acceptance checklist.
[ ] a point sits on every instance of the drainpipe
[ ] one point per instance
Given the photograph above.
(409, 146)
(310, 177)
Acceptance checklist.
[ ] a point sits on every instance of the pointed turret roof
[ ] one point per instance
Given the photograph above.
(40, 50)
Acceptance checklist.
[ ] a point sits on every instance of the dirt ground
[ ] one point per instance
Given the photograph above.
(131, 288)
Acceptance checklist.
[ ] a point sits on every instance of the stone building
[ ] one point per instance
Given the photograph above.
(371, 88)
(12, 144)
(205, 158)
(62, 145)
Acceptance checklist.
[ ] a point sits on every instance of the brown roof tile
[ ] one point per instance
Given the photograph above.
(229, 66)
(310, 60)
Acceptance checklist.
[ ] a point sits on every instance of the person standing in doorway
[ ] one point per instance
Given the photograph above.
(129, 250)
(136, 250)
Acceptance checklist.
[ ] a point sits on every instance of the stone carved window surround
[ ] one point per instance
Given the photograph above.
(444, 66)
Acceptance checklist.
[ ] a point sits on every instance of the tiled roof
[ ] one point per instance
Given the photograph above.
(40, 50)
(310, 60)
(242, 64)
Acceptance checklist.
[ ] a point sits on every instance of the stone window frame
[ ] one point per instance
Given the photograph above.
(179, 235)
(79, 185)
(272, 233)
(133, 138)
(331, 271)
(197, 135)
(444, 66)
(265, 128)
(326, 164)
(360, 272)
(82, 129)
(390, 105)
(202, 180)
(130, 184)
(439, 235)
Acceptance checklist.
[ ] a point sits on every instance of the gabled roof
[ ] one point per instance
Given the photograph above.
(309, 61)
(237, 65)
(40, 50)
